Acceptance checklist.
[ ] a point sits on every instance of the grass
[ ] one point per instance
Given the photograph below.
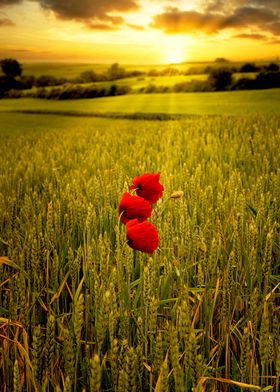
(230, 103)
(21, 124)
(81, 311)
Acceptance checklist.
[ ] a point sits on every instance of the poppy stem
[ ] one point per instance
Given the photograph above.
(133, 191)
(160, 211)
(119, 220)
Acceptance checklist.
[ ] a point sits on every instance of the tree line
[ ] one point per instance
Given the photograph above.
(220, 78)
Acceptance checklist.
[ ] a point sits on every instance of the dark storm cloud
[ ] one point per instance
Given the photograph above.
(174, 20)
(6, 22)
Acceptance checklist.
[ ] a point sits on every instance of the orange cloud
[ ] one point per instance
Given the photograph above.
(251, 36)
(6, 22)
(98, 10)
(96, 14)
(9, 2)
(135, 27)
(101, 26)
(174, 21)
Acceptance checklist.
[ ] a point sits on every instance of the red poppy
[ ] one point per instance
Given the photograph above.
(134, 207)
(142, 236)
(148, 187)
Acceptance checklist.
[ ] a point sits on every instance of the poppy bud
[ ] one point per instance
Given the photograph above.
(177, 195)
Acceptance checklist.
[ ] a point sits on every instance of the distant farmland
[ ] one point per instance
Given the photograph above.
(215, 103)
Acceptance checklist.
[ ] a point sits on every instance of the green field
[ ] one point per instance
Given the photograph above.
(167, 81)
(230, 103)
(137, 83)
(79, 309)
(73, 71)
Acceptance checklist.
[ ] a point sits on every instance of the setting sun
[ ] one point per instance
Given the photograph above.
(138, 31)
(174, 49)
(174, 56)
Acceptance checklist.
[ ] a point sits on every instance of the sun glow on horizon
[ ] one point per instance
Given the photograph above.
(175, 49)
(175, 58)
(35, 34)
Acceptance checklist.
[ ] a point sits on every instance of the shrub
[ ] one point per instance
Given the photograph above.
(220, 79)
(272, 67)
(268, 80)
(89, 76)
(249, 67)
(8, 83)
(11, 67)
(70, 91)
(49, 80)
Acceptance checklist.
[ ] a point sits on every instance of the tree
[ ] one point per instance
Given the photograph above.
(11, 67)
(89, 76)
(116, 72)
(249, 67)
(221, 60)
(220, 79)
(272, 67)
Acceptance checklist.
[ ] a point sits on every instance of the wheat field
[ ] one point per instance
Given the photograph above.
(81, 311)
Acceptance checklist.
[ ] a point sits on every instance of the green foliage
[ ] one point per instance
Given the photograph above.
(82, 311)
(73, 70)
(116, 72)
(220, 79)
(186, 77)
(89, 76)
(11, 67)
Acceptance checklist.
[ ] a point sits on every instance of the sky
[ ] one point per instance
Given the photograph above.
(139, 31)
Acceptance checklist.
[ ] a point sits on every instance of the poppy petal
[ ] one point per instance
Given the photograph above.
(132, 207)
(148, 186)
(142, 236)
